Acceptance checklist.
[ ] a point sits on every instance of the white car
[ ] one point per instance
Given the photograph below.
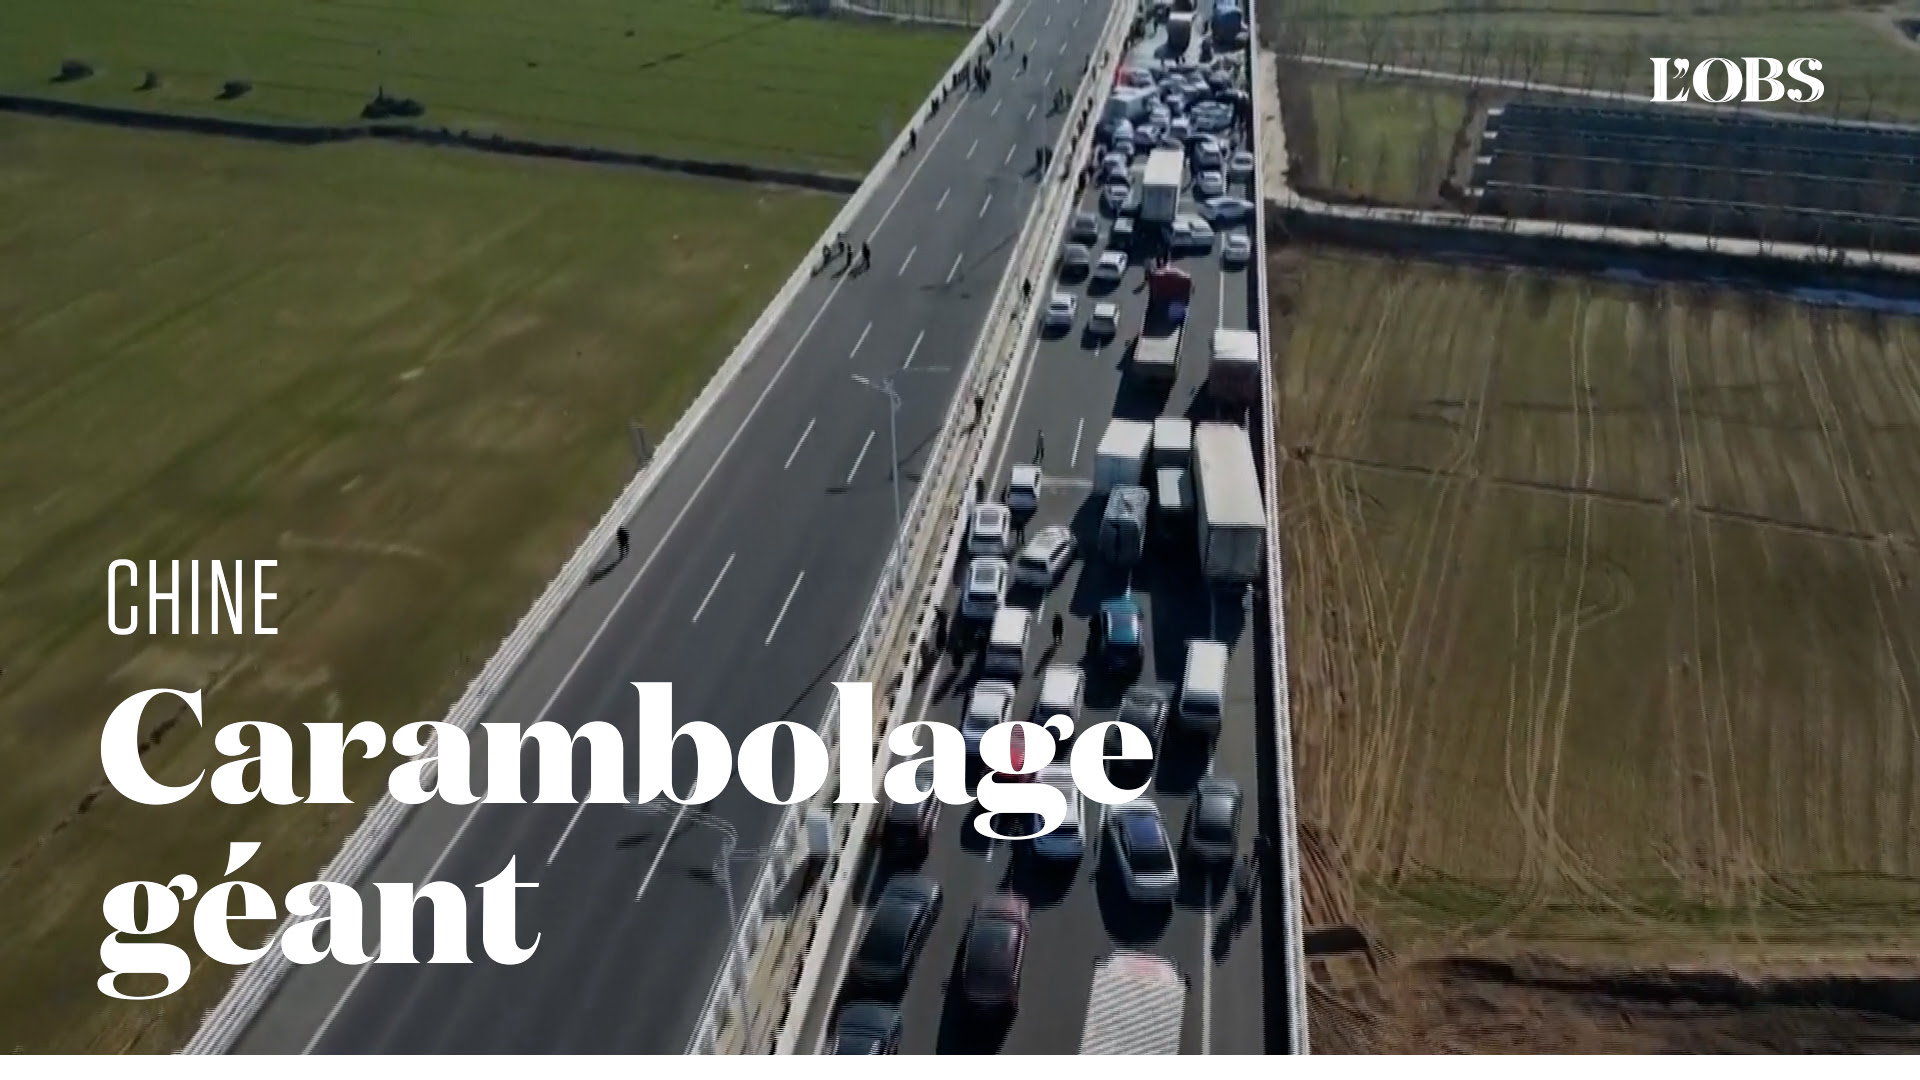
(1045, 557)
(990, 704)
(1241, 167)
(1192, 234)
(1227, 209)
(1236, 249)
(1114, 197)
(1105, 322)
(1111, 268)
(1023, 489)
(1143, 853)
(1060, 310)
(986, 588)
(991, 531)
(1068, 841)
(1209, 183)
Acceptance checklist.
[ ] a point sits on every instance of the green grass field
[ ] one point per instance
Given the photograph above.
(1368, 138)
(403, 373)
(1870, 70)
(692, 78)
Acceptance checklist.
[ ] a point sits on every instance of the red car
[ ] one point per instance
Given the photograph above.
(996, 945)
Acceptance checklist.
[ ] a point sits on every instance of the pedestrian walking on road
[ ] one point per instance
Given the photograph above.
(979, 403)
(866, 256)
(621, 539)
(1039, 446)
(1059, 629)
(1026, 290)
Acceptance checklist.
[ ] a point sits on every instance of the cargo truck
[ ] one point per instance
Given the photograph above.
(1122, 456)
(1179, 32)
(1232, 518)
(1165, 177)
(1233, 378)
(1156, 352)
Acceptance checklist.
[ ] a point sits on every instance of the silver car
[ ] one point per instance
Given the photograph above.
(1044, 558)
(986, 588)
(990, 704)
(1142, 852)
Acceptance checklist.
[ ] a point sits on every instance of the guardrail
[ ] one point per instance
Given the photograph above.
(255, 984)
(751, 1003)
(1288, 843)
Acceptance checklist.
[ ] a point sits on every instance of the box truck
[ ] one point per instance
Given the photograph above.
(1165, 177)
(1156, 352)
(1232, 518)
(1122, 456)
(1233, 378)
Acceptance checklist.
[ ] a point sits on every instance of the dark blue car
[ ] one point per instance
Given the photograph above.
(1118, 635)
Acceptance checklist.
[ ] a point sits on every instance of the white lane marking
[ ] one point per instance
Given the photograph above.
(633, 583)
(915, 348)
(861, 458)
(1020, 395)
(861, 340)
(713, 588)
(908, 259)
(996, 109)
(1079, 429)
(975, 146)
(988, 201)
(1063, 48)
(1008, 160)
(1030, 110)
(578, 809)
(1048, 21)
(956, 268)
(784, 604)
(796, 446)
(1206, 981)
(665, 842)
(943, 200)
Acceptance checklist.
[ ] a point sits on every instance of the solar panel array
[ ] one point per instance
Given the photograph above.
(1735, 174)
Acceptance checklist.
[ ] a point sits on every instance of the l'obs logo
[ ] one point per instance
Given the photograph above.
(1754, 81)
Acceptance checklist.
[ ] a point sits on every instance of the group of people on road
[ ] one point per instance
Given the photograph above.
(842, 248)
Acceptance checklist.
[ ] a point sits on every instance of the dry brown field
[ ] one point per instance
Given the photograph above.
(1604, 647)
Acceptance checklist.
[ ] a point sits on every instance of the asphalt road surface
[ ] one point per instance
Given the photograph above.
(1073, 387)
(751, 565)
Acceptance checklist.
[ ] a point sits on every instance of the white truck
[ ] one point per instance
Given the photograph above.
(1233, 378)
(1160, 194)
(1232, 517)
(1122, 457)
(1135, 1006)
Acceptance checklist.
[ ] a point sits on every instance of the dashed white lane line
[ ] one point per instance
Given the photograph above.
(1031, 109)
(713, 588)
(915, 348)
(988, 201)
(1079, 429)
(905, 261)
(1008, 160)
(861, 458)
(784, 604)
(795, 452)
(862, 339)
(943, 200)
(996, 109)
(955, 269)
(975, 146)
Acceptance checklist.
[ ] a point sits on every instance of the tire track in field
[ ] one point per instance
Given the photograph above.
(1846, 469)
(1422, 598)
(1364, 798)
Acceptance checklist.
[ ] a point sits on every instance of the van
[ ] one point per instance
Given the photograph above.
(1061, 688)
(1123, 528)
(1007, 642)
(1203, 688)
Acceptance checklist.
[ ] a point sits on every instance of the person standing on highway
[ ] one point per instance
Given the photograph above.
(866, 256)
(1059, 629)
(621, 539)
(1039, 446)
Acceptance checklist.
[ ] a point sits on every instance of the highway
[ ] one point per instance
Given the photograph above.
(1073, 387)
(751, 565)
